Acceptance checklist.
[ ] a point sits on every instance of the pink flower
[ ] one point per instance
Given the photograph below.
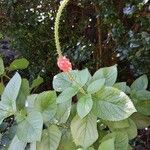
(64, 64)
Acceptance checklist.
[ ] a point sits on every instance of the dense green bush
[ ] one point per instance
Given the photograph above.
(100, 116)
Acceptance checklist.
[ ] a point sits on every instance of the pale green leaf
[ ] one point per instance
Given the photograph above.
(2, 87)
(117, 124)
(30, 128)
(46, 104)
(109, 73)
(11, 92)
(113, 105)
(63, 112)
(120, 86)
(17, 144)
(38, 81)
(19, 64)
(2, 69)
(62, 81)
(50, 139)
(107, 145)
(121, 139)
(140, 84)
(95, 86)
(140, 120)
(23, 93)
(67, 94)
(84, 105)
(66, 142)
(30, 100)
(84, 131)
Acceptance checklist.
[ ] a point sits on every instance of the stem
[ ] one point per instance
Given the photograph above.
(56, 26)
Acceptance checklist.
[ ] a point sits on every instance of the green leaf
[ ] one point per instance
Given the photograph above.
(2, 69)
(121, 139)
(39, 80)
(95, 86)
(81, 77)
(121, 86)
(2, 87)
(66, 142)
(4, 112)
(131, 130)
(117, 124)
(30, 127)
(63, 112)
(23, 93)
(141, 95)
(46, 104)
(61, 82)
(143, 107)
(67, 94)
(11, 92)
(17, 144)
(84, 131)
(19, 64)
(30, 100)
(50, 139)
(140, 120)
(113, 105)
(109, 73)
(84, 105)
(140, 84)
(107, 145)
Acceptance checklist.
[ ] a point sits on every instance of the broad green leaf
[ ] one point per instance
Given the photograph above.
(2, 87)
(66, 142)
(5, 111)
(140, 84)
(140, 120)
(63, 112)
(143, 107)
(67, 94)
(141, 95)
(23, 93)
(46, 104)
(30, 100)
(84, 105)
(112, 104)
(121, 86)
(38, 81)
(131, 130)
(11, 92)
(81, 77)
(121, 139)
(17, 144)
(30, 127)
(95, 86)
(84, 131)
(2, 69)
(141, 101)
(109, 73)
(107, 145)
(19, 64)
(62, 81)
(50, 139)
(117, 124)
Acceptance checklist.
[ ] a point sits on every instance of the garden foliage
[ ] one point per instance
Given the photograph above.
(83, 111)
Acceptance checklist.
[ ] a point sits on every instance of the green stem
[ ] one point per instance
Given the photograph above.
(57, 23)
